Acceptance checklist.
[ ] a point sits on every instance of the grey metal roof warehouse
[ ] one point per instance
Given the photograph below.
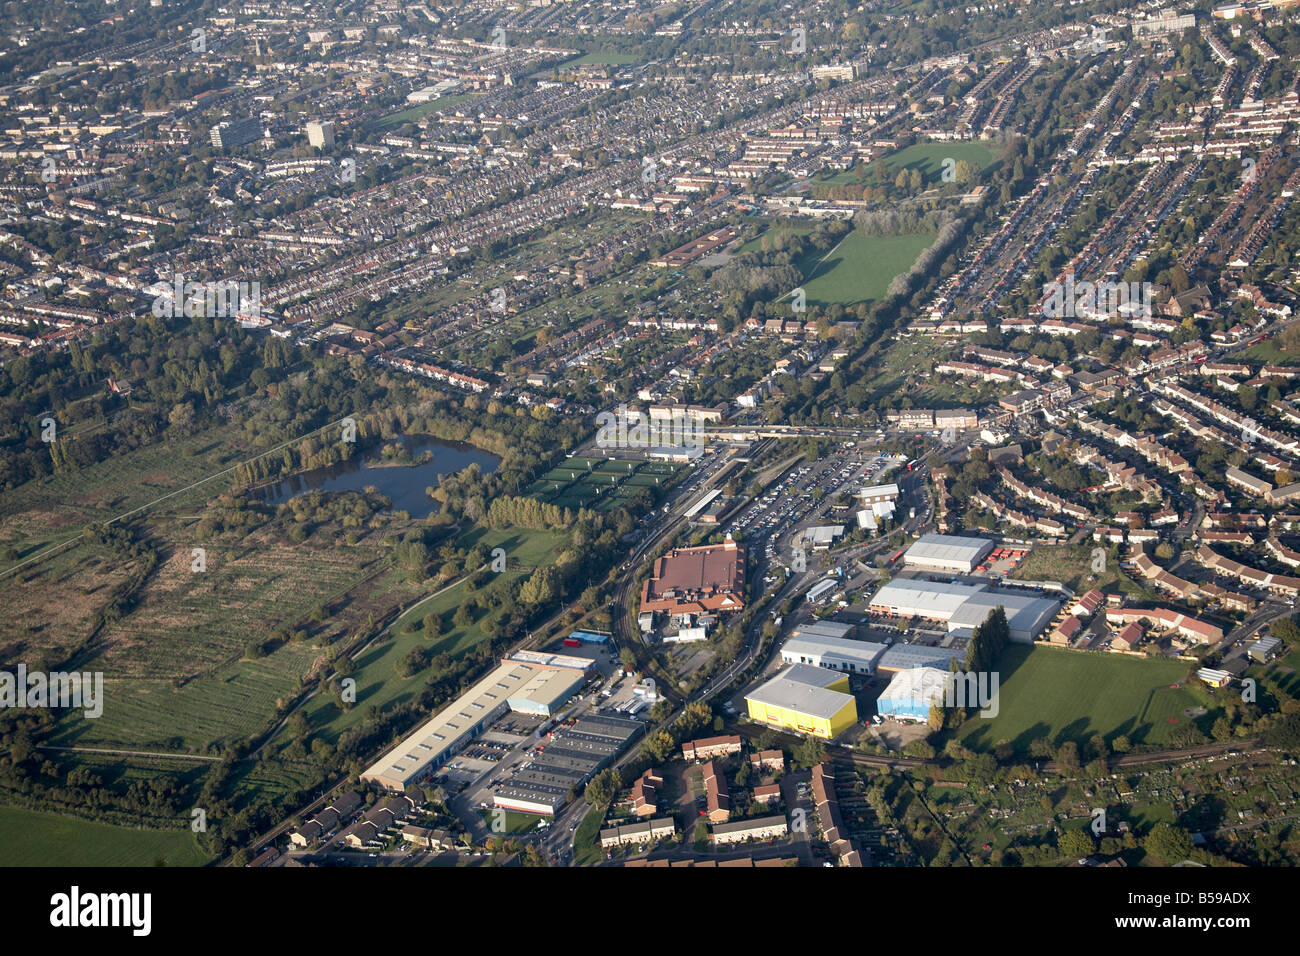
(1026, 616)
(947, 551)
(572, 757)
(906, 656)
(816, 629)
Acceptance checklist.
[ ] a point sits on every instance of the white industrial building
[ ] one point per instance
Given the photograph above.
(816, 629)
(879, 494)
(528, 682)
(932, 600)
(320, 135)
(1027, 616)
(947, 552)
(833, 653)
(965, 606)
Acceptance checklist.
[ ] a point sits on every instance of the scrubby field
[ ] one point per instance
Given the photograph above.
(1071, 565)
(1069, 695)
(378, 682)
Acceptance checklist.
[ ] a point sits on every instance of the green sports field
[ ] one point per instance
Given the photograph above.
(599, 58)
(420, 110)
(929, 157)
(32, 838)
(1070, 695)
(861, 267)
(926, 157)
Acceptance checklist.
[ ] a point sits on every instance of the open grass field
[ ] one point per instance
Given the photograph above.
(861, 267)
(597, 58)
(514, 823)
(1270, 353)
(32, 838)
(52, 602)
(586, 839)
(1282, 676)
(1070, 695)
(761, 242)
(51, 509)
(928, 158)
(413, 113)
(378, 683)
(174, 668)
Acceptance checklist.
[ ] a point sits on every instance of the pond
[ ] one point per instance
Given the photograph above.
(403, 483)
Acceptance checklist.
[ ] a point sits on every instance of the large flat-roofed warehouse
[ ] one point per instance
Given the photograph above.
(965, 605)
(1027, 616)
(703, 580)
(932, 600)
(833, 653)
(901, 657)
(816, 629)
(572, 757)
(538, 684)
(947, 552)
(805, 699)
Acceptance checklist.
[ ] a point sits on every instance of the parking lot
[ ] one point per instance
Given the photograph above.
(806, 493)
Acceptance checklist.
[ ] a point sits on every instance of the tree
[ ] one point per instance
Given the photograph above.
(1097, 746)
(432, 625)
(603, 788)
(1067, 757)
(1285, 629)
(1168, 843)
(981, 769)
(660, 746)
(182, 415)
(1076, 844)
(921, 749)
(988, 642)
(810, 751)
(935, 718)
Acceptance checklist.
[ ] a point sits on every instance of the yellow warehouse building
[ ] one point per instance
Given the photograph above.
(805, 699)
